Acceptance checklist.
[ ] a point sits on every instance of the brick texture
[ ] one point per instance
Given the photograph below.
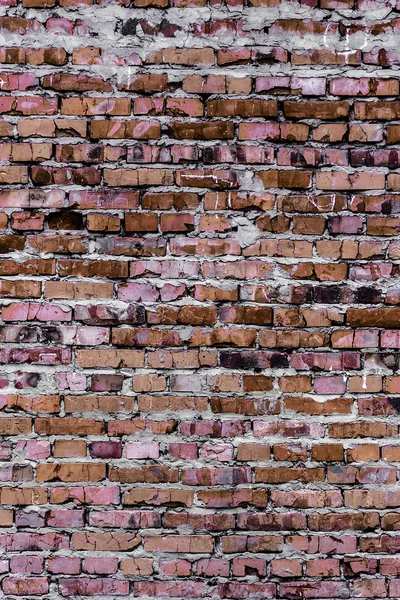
(200, 299)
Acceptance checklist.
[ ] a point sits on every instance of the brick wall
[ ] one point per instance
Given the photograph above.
(200, 299)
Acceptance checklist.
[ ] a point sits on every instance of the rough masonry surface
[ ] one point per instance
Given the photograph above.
(199, 299)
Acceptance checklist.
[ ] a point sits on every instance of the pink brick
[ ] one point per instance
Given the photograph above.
(142, 450)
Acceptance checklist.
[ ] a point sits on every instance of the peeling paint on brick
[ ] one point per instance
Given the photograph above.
(199, 263)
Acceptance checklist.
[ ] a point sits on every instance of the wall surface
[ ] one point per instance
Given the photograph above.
(200, 299)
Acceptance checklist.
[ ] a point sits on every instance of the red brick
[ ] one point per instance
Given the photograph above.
(200, 314)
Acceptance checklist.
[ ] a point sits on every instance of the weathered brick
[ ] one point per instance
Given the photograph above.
(200, 314)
